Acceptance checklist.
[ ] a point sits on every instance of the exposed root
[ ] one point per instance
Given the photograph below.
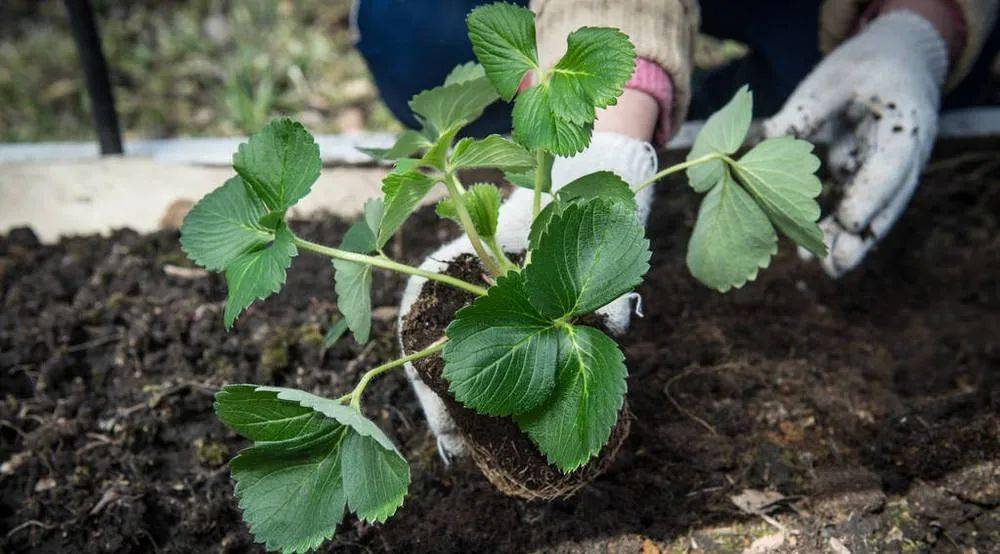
(517, 485)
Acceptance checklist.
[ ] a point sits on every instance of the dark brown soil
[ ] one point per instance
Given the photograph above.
(505, 455)
(870, 404)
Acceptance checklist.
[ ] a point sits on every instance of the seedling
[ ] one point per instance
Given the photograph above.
(519, 350)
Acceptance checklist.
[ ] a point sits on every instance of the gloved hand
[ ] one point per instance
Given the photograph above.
(880, 92)
(631, 159)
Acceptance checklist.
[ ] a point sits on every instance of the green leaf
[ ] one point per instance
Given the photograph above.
(260, 416)
(224, 225)
(375, 479)
(541, 222)
(279, 163)
(536, 125)
(557, 115)
(353, 285)
(361, 236)
(453, 104)
(601, 184)
(407, 143)
(503, 38)
(334, 333)
(353, 280)
(374, 211)
(437, 155)
(445, 209)
(292, 498)
(492, 151)
(732, 239)
(523, 179)
(723, 133)
(258, 273)
(592, 74)
(312, 457)
(588, 255)
(500, 358)
(332, 409)
(465, 72)
(271, 220)
(526, 179)
(403, 165)
(780, 174)
(482, 201)
(577, 420)
(403, 191)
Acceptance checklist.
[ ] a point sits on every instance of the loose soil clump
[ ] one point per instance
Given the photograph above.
(868, 405)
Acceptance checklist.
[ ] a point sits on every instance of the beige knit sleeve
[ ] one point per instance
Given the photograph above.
(838, 19)
(663, 31)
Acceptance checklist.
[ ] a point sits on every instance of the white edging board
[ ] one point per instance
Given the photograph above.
(65, 188)
(342, 149)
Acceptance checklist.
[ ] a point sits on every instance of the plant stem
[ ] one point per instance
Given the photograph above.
(494, 246)
(359, 389)
(386, 263)
(455, 191)
(543, 180)
(679, 167)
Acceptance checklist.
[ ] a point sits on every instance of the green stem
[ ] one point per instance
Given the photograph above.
(680, 167)
(359, 389)
(543, 180)
(455, 191)
(386, 263)
(494, 247)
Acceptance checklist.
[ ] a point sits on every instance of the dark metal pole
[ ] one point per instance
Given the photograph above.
(95, 71)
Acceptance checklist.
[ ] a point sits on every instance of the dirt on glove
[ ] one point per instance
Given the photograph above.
(865, 410)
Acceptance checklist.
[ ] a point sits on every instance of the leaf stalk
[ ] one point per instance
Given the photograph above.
(455, 191)
(543, 180)
(682, 166)
(355, 395)
(494, 246)
(386, 263)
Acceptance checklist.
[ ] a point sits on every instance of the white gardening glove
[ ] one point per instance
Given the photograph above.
(879, 92)
(632, 160)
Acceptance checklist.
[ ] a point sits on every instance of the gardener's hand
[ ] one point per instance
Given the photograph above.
(880, 93)
(632, 159)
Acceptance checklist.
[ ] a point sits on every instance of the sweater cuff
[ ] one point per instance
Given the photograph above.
(654, 81)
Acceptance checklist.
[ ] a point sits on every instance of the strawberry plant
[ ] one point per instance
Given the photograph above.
(519, 350)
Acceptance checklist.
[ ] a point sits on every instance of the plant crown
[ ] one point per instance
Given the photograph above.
(518, 350)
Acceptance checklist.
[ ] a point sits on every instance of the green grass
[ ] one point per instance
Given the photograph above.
(187, 68)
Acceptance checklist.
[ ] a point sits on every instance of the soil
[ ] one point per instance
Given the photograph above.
(864, 411)
(506, 456)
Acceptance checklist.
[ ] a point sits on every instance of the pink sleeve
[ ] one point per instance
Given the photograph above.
(654, 81)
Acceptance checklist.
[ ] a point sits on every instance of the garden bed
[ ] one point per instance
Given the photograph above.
(870, 404)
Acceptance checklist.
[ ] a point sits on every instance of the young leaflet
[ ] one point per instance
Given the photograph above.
(774, 184)
(519, 350)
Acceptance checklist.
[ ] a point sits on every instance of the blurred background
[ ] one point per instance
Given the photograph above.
(187, 68)
(199, 68)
